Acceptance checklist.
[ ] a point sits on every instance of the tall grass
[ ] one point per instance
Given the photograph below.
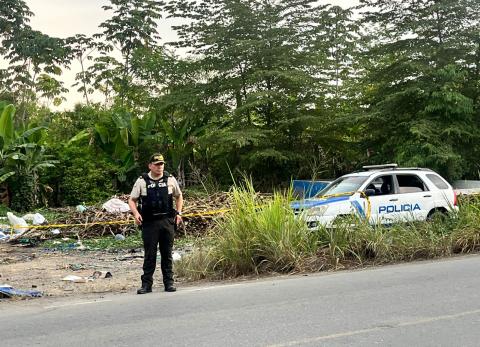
(256, 238)
(362, 242)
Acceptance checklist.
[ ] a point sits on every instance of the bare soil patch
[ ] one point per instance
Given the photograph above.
(31, 268)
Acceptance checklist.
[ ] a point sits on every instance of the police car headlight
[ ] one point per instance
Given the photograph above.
(316, 211)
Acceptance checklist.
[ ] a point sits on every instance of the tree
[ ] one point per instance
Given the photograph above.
(419, 111)
(34, 59)
(258, 60)
(133, 26)
(82, 47)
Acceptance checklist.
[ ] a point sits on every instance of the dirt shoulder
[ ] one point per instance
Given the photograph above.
(31, 268)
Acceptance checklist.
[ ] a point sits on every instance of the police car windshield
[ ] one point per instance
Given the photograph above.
(343, 185)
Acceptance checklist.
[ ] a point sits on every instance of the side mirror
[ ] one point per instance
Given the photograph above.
(369, 192)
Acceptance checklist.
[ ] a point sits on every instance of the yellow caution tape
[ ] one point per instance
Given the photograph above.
(188, 215)
(129, 221)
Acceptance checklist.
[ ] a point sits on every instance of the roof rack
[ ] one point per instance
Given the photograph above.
(379, 167)
(387, 167)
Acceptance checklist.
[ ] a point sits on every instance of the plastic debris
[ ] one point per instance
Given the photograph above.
(119, 237)
(38, 219)
(55, 231)
(81, 208)
(116, 205)
(74, 279)
(7, 291)
(35, 218)
(3, 236)
(19, 224)
(176, 256)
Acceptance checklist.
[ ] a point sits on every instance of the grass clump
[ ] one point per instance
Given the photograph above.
(257, 238)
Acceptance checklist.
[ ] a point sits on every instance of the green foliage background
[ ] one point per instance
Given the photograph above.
(276, 89)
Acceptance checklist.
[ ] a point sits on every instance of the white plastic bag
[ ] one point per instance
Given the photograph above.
(74, 279)
(176, 256)
(38, 219)
(19, 224)
(35, 218)
(116, 205)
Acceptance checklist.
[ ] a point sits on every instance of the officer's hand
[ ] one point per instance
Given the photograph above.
(178, 219)
(138, 218)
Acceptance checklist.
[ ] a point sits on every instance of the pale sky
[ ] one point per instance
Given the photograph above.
(63, 18)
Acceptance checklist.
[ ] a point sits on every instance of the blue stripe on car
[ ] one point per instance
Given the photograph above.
(314, 202)
(359, 208)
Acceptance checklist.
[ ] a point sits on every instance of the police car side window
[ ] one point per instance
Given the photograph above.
(410, 184)
(383, 185)
(437, 181)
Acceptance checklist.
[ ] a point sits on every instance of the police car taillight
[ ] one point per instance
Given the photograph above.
(455, 202)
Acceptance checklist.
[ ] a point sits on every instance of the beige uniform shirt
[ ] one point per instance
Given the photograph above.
(140, 187)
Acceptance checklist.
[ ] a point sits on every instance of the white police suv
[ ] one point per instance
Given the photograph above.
(382, 194)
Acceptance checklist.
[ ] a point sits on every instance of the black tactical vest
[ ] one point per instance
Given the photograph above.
(158, 203)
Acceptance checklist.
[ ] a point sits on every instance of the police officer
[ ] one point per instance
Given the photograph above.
(155, 192)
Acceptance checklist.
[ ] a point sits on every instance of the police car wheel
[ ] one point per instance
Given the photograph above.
(437, 215)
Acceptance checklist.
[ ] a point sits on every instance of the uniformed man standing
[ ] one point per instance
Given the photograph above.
(155, 192)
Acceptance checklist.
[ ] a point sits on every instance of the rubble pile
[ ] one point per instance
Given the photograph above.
(199, 215)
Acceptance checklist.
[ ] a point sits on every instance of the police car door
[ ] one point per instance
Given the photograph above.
(414, 198)
(380, 212)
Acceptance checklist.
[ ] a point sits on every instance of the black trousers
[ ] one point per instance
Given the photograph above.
(158, 234)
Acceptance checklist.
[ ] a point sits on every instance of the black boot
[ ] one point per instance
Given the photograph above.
(145, 289)
(170, 288)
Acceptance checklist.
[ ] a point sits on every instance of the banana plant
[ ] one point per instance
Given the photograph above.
(180, 143)
(7, 136)
(122, 138)
(22, 158)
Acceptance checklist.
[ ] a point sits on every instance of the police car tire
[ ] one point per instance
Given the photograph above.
(437, 214)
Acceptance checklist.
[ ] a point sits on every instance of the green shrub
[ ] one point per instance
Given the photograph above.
(82, 176)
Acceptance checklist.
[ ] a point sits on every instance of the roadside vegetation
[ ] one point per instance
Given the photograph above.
(260, 239)
(273, 90)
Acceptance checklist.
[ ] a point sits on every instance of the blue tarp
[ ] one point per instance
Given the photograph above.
(9, 292)
(307, 189)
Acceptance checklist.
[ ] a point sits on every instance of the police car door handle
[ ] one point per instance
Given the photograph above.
(427, 196)
(393, 200)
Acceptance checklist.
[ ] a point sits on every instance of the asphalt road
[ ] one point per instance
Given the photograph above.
(417, 304)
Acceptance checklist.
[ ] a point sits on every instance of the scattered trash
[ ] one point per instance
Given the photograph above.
(116, 205)
(176, 256)
(3, 237)
(7, 291)
(101, 274)
(35, 218)
(19, 224)
(55, 231)
(119, 237)
(96, 274)
(74, 279)
(81, 208)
